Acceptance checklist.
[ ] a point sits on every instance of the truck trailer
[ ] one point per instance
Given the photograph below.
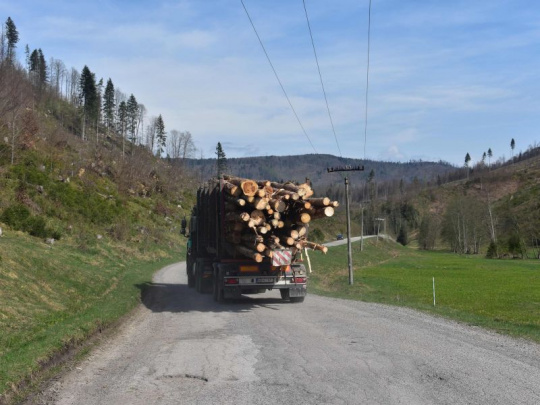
(221, 262)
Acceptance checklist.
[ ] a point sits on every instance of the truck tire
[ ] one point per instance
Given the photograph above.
(297, 300)
(218, 288)
(198, 276)
(190, 277)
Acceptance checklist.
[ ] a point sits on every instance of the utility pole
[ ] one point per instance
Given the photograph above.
(347, 168)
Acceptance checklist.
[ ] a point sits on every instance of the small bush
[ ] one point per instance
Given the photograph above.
(18, 217)
(36, 226)
(15, 216)
(492, 251)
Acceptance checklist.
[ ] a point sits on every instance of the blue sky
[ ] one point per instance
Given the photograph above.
(446, 78)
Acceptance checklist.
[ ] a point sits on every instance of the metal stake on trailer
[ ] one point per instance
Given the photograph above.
(347, 168)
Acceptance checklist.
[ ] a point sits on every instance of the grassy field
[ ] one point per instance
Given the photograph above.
(502, 295)
(52, 298)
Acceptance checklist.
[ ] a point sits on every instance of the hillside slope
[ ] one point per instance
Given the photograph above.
(300, 167)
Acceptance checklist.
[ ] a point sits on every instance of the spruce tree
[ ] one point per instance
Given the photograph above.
(132, 118)
(88, 97)
(512, 146)
(108, 104)
(161, 135)
(221, 160)
(12, 37)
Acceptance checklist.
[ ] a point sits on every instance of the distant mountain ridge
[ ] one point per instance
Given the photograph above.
(312, 166)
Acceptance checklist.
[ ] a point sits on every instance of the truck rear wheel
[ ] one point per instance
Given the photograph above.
(297, 299)
(218, 288)
(190, 277)
(198, 275)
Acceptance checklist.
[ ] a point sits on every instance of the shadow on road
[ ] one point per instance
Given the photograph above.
(160, 297)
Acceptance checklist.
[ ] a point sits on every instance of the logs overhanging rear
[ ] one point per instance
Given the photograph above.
(261, 216)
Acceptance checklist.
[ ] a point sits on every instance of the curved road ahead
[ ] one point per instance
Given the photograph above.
(182, 348)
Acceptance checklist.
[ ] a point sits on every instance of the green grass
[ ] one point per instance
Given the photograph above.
(52, 298)
(502, 295)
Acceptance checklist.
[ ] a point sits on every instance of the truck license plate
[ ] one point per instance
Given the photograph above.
(265, 280)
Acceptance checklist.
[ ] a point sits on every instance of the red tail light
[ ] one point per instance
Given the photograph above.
(299, 280)
(231, 281)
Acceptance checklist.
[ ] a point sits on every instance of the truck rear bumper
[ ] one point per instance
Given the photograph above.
(295, 290)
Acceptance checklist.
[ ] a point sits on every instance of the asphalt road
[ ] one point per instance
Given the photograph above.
(353, 239)
(182, 348)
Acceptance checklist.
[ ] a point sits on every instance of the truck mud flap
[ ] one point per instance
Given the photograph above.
(297, 291)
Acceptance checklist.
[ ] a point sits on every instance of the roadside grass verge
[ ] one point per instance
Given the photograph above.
(52, 298)
(502, 295)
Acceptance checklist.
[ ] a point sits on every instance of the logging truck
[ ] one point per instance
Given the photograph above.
(247, 237)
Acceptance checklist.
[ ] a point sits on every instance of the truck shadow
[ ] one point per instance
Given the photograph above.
(161, 297)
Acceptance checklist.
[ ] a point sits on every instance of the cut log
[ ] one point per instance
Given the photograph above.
(301, 204)
(277, 204)
(291, 194)
(231, 189)
(234, 200)
(260, 203)
(287, 240)
(334, 204)
(290, 187)
(319, 202)
(315, 246)
(237, 216)
(302, 230)
(258, 217)
(303, 218)
(321, 212)
(259, 247)
(244, 251)
(248, 187)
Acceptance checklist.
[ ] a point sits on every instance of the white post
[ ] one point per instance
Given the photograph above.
(308, 261)
(433, 291)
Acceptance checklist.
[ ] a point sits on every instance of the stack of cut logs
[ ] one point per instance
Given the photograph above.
(261, 216)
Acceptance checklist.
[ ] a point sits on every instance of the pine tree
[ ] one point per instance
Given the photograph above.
(108, 104)
(221, 162)
(467, 160)
(161, 135)
(12, 37)
(490, 155)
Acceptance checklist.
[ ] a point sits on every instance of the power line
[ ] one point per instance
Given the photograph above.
(320, 77)
(277, 77)
(367, 79)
